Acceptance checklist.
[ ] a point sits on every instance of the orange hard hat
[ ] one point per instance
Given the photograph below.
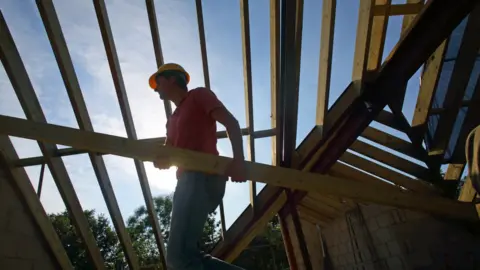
(167, 67)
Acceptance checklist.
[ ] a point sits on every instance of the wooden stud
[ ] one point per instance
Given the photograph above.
(203, 46)
(19, 179)
(276, 115)
(62, 55)
(15, 69)
(247, 71)
(325, 65)
(157, 46)
(109, 43)
(378, 35)
(362, 43)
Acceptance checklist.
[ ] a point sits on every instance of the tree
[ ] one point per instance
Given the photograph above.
(106, 237)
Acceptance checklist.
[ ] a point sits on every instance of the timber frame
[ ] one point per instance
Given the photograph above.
(343, 161)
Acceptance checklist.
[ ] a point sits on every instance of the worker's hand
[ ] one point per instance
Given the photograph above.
(237, 170)
(162, 163)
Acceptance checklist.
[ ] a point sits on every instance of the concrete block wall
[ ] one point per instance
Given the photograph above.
(380, 237)
(21, 244)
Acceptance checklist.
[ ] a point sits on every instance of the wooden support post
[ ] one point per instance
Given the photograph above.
(19, 179)
(325, 66)
(275, 100)
(247, 72)
(22, 85)
(62, 55)
(157, 46)
(109, 44)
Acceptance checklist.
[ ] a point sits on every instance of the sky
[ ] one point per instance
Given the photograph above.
(178, 30)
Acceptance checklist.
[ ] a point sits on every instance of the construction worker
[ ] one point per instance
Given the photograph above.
(193, 126)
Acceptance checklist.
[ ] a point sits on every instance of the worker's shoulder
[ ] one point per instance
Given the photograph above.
(201, 91)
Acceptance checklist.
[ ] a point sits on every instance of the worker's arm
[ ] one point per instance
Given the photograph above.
(224, 117)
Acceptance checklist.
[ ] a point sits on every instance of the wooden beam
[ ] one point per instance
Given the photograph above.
(157, 46)
(393, 143)
(65, 64)
(275, 100)
(428, 87)
(389, 175)
(362, 43)
(20, 181)
(454, 172)
(197, 161)
(390, 159)
(22, 85)
(469, 191)
(109, 43)
(398, 9)
(325, 65)
(396, 103)
(161, 140)
(378, 35)
(291, 222)
(203, 46)
(291, 23)
(458, 82)
(247, 72)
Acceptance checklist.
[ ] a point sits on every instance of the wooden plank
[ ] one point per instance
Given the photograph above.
(290, 65)
(275, 100)
(398, 9)
(197, 161)
(390, 159)
(362, 43)
(160, 140)
(65, 64)
(157, 46)
(396, 103)
(469, 191)
(203, 46)
(378, 34)
(18, 76)
(454, 172)
(291, 221)
(247, 72)
(19, 179)
(325, 65)
(107, 37)
(428, 87)
(389, 175)
(390, 120)
(458, 82)
(393, 143)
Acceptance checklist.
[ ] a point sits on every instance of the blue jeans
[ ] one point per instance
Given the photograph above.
(196, 196)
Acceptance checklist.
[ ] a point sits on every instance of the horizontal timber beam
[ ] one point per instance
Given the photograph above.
(400, 9)
(33, 161)
(207, 163)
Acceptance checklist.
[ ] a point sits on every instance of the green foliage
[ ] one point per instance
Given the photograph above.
(140, 230)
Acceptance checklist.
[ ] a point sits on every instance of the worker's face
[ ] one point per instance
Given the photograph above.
(164, 87)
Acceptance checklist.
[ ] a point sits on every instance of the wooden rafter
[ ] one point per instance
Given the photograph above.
(275, 100)
(247, 72)
(21, 182)
(157, 46)
(22, 85)
(62, 55)
(362, 43)
(325, 65)
(398, 9)
(107, 36)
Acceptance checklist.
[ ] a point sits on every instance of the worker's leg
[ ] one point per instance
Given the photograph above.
(196, 195)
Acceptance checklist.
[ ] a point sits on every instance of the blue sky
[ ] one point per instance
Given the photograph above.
(179, 36)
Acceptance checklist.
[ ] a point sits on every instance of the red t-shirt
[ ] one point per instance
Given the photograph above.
(191, 125)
